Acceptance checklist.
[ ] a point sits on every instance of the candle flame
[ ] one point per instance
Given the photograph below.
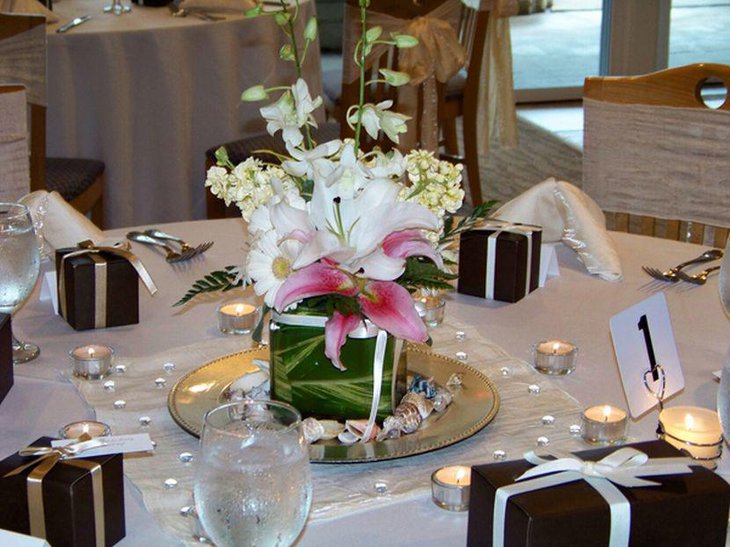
(239, 309)
(689, 422)
(460, 476)
(606, 413)
(91, 352)
(85, 428)
(556, 347)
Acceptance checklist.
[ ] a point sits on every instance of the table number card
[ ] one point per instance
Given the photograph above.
(643, 341)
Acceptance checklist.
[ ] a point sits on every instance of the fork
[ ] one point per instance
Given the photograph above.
(698, 279)
(172, 255)
(671, 274)
(159, 234)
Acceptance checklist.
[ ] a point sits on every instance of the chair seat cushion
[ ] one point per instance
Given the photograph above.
(241, 149)
(70, 177)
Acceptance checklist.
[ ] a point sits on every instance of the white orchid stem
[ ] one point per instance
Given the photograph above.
(363, 49)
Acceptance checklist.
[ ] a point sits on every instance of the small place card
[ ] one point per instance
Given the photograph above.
(14, 539)
(49, 290)
(647, 356)
(115, 444)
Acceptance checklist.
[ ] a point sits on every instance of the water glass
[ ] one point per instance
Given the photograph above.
(253, 483)
(19, 268)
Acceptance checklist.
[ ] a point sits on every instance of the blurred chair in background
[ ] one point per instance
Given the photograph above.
(655, 155)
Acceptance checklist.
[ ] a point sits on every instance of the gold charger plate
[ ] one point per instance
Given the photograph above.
(475, 404)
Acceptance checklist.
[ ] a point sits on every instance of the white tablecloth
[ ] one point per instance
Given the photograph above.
(574, 306)
(149, 93)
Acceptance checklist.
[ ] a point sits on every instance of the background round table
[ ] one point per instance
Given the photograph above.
(148, 94)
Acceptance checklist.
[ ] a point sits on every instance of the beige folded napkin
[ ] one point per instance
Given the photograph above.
(218, 5)
(567, 214)
(31, 7)
(60, 224)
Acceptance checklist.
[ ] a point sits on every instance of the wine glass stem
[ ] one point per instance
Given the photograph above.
(24, 351)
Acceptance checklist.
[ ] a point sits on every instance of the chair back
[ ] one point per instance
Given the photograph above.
(15, 173)
(420, 100)
(23, 61)
(655, 156)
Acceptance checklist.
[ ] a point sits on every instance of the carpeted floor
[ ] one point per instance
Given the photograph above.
(507, 172)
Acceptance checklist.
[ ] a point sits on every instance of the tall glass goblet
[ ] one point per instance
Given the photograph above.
(253, 483)
(19, 268)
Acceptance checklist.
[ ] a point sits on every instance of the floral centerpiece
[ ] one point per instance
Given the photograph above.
(339, 238)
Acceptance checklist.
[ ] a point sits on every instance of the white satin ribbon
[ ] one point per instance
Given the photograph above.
(622, 467)
(366, 330)
(499, 227)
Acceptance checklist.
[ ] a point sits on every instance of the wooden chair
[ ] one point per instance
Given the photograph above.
(79, 181)
(676, 87)
(458, 99)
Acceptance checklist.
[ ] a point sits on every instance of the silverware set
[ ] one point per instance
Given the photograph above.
(677, 273)
(158, 238)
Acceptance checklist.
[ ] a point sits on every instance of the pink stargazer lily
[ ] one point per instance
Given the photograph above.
(336, 330)
(410, 243)
(391, 308)
(316, 279)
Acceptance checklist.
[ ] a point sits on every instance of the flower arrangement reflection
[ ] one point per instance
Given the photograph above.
(332, 227)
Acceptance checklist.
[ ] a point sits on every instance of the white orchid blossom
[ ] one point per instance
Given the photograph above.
(312, 164)
(282, 115)
(376, 117)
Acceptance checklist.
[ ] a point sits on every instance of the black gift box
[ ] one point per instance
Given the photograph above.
(6, 356)
(510, 264)
(68, 503)
(80, 280)
(686, 510)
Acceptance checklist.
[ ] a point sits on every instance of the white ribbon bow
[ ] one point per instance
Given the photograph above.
(623, 467)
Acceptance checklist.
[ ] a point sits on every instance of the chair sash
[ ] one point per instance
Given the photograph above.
(15, 172)
(23, 60)
(438, 57)
(658, 161)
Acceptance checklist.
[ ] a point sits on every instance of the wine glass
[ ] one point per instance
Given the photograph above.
(19, 268)
(253, 483)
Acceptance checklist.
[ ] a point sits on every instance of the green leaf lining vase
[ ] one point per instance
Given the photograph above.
(304, 377)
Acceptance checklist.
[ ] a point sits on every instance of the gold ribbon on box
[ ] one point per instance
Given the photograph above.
(100, 277)
(47, 459)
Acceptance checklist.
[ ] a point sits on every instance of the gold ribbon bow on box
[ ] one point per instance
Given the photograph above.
(47, 458)
(100, 275)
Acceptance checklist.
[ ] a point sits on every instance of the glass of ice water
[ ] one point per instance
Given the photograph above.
(19, 267)
(253, 483)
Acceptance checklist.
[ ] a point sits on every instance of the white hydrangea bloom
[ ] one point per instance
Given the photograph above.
(435, 184)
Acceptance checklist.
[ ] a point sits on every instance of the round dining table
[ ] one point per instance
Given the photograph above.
(574, 306)
(148, 93)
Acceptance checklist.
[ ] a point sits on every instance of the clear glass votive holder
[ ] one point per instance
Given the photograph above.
(90, 428)
(92, 362)
(604, 425)
(693, 430)
(431, 309)
(238, 317)
(554, 357)
(450, 487)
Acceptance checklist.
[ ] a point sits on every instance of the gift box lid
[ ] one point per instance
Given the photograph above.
(576, 514)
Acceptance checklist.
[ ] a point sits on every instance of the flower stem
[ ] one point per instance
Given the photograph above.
(363, 50)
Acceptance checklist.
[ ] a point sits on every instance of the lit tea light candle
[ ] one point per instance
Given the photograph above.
(92, 362)
(76, 430)
(238, 317)
(555, 357)
(604, 425)
(450, 487)
(693, 430)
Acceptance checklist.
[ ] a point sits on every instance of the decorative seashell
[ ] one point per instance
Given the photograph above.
(354, 429)
(442, 399)
(409, 416)
(312, 430)
(419, 384)
(392, 429)
(455, 380)
(332, 428)
(425, 407)
(249, 386)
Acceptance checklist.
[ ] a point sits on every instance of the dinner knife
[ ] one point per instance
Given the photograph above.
(73, 23)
